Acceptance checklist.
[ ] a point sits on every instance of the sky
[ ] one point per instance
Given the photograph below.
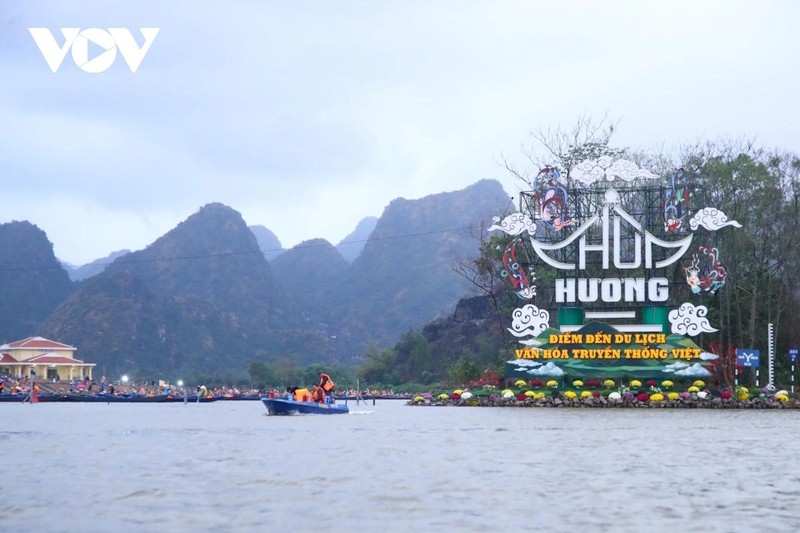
(307, 117)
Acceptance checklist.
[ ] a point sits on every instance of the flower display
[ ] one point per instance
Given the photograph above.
(615, 396)
(667, 384)
(657, 397)
(742, 393)
(458, 391)
(651, 383)
(455, 396)
(608, 383)
(507, 394)
(635, 384)
(530, 394)
(592, 383)
(642, 397)
(552, 384)
(781, 397)
(686, 395)
(586, 394)
(693, 388)
(536, 383)
(699, 383)
(443, 396)
(520, 383)
(466, 395)
(628, 396)
(703, 395)
(673, 395)
(596, 394)
(521, 397)
(570, 395)
(725, 395)
(577, 383)
(418, 399)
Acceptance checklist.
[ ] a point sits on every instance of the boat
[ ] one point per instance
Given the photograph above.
(283, 406)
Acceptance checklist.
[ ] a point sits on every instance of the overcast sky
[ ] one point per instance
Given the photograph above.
(308, 116)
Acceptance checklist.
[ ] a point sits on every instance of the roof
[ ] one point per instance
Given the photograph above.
(36, 343)
(53, 359)
(7, 358)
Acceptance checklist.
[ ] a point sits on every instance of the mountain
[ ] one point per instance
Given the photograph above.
(352, 245)
(403, 277)
(267, 242)
(32, 281)
(203, 297)
(80, 273)
(200, 298)
(308, 270)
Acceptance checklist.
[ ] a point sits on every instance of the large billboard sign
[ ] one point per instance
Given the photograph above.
(613, 234)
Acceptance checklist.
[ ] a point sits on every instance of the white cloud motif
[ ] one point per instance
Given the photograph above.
(529, 321)
(608, 169)
(514, 224)
(693, 371)
(690, 320)
(708, 356)
(712, 219)
(550, 369)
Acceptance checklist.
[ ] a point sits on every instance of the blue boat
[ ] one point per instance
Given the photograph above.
(282, 406)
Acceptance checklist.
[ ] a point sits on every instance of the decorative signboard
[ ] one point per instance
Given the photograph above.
(614, 234)
(748, 357)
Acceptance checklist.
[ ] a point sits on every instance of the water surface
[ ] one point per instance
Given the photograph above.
(228, 466)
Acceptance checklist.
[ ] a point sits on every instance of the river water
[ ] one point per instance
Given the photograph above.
(228, 466)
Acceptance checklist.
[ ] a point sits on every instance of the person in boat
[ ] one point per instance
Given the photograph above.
(326, 383)
(300, 394)
(318, 394)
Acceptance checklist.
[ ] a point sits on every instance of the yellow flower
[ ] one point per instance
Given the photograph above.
(419, 399)
(699, 383)
(783, 396)
(657, 397)
(530, 394)
(539, 395)
(443, 396)
(693, 389)
(520, 383)
(608, 383)
(552, 384)
(570, 394)
(667, 384)
(458, 391)
(636, 383)
(673, 395)
(577, 383)
(586, 394)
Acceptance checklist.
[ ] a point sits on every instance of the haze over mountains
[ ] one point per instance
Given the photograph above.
(214, 294)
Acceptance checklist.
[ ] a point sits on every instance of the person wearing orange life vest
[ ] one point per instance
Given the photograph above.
(318, 394)
(326, 384)
(301, 394)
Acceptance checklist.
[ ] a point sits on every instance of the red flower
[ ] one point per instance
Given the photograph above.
(455, 396)
(597, 394)
(521, 397)
(725, 395)
(593, 383)
(536, 383)
(643, 397)
(651, 383)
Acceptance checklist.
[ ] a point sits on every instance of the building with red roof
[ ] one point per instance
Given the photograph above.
(43, 358)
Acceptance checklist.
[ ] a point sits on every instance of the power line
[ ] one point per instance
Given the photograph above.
(241, 253)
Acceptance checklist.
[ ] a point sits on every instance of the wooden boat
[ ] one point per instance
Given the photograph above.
(282, 406)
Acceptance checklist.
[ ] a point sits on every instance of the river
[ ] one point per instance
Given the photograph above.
(228, 466)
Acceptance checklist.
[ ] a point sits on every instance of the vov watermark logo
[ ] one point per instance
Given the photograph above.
(77, 41)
